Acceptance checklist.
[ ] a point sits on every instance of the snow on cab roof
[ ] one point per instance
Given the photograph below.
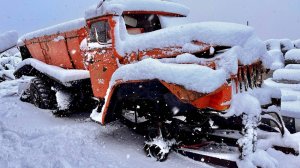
(59, 28)
(116, 7)
(213, 33)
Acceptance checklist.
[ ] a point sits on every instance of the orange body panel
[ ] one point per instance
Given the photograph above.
(74, 39)
(101, 72)
(36, 50)
(57, 52)
(217, 100)
(61, 49)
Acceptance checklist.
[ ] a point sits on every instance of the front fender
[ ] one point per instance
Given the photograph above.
(218, 100)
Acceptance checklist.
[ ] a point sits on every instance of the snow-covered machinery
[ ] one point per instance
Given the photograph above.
(185, 87)
(8, 41)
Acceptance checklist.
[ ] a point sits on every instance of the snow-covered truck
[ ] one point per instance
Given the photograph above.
(184, 86)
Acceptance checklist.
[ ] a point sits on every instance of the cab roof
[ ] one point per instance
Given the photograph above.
(118, 7)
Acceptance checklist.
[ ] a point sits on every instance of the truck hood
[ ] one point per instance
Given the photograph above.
(212, 33)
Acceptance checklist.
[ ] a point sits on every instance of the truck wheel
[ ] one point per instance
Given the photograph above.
(156, 152)
(41, 94)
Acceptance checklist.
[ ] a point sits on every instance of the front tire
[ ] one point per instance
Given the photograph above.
(41, 94)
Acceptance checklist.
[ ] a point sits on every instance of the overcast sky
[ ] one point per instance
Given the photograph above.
(270, 18)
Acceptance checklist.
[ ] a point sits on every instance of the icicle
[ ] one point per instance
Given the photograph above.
(245, 78)
(240, 79)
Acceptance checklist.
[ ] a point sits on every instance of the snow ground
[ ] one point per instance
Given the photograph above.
(31, 137)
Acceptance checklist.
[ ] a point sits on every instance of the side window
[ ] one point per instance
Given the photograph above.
(99, 32)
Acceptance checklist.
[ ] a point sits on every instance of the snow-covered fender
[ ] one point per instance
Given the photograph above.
(217, 100)
(66, 77)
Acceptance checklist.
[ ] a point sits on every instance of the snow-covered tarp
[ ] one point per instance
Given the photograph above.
(116, 7)
(278, 59)
(292, 66)
(8, 40)
(277, 48)
(287, 74)
(279, 44)
(60, 28)
(293, 54)
(297, 43)
(62, 75)
(271, 83)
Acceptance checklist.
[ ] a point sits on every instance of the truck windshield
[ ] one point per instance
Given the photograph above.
(141, 23)
(99, 32)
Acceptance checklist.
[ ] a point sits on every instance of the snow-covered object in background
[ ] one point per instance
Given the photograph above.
(277, 59)
(279, 44)
(292, 66)
(213, 33)
(271, 83)
(286, 45)
(8, 40)
(117, 7)
(8, 63)
(297, 43)
(277, 48)
(293, 55)
(200, 78)
(60, 28)
(9, 60)
(287, 75)
(273, 44)
(270, 139)
(60, 74)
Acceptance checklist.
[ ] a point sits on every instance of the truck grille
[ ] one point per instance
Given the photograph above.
(249, 76)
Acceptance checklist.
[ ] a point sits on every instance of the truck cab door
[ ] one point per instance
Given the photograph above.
(103, 63)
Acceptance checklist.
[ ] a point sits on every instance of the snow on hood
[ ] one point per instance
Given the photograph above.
(213, 33)
(201, 79)
(8, 40)
(116, 7)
